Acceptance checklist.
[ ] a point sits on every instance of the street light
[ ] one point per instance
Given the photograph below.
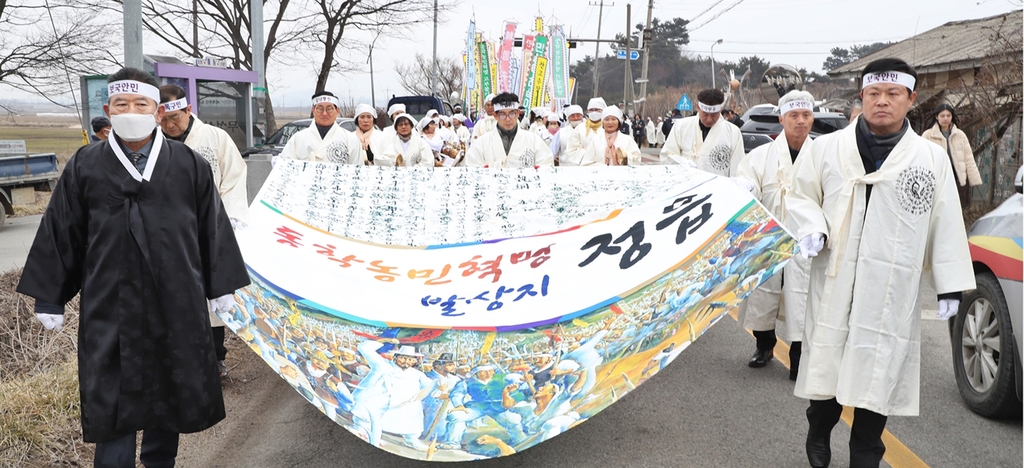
(713, 63)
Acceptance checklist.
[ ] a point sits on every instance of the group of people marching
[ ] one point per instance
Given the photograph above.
(874, 206)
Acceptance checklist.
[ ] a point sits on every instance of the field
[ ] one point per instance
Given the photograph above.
(59, 135)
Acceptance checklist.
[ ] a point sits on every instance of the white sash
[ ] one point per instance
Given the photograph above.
(154, 154)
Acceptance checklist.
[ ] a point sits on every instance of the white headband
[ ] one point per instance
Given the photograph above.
(327, 99)
(506, 106)
(893, 77)
(133, 87)
(709, 109)
(175, 105)
(796, 105)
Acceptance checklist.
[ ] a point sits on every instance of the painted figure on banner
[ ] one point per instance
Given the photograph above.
(877, 208)
(705, 141)
(509, 146)
(324, 139)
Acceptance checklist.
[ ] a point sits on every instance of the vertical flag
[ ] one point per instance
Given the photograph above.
(559, 64)
(470, 65)
(540, 48)
(492, 61)
(526, 64)
(505, 63)
(478, 65)
(485, 66)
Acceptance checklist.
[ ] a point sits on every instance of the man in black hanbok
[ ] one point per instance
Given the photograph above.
(136, 225)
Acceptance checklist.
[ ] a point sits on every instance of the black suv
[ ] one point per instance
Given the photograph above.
(768, 124)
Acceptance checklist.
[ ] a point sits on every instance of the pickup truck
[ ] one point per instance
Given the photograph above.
(24, 174)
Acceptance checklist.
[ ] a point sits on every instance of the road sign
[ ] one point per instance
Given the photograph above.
(13, 147)
(685, 104)
(633, 54)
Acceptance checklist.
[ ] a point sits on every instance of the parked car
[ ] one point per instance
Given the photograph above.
(276, 142)
(417, 106)
(753, 140)
(768, 123)
(987, 354)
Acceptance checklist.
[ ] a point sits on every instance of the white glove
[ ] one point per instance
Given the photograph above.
(743, 183)
(51, 321)
(235, 224)
(223, 304)
(274, 160)
(812, 244)
(947, 308)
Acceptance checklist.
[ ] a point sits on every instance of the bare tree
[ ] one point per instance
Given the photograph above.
(40, 55)
(336, 18)
(415, 77)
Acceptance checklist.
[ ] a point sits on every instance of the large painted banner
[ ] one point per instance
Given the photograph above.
(505, 58)
(473, 313)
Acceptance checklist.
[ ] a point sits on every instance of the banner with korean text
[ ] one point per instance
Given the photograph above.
(469, 313)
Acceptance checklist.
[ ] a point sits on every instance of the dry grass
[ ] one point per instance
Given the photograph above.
(39, 399)
(62, 141)
(38, 207)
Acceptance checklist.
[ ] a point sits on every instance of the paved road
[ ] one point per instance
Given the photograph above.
(15, 240)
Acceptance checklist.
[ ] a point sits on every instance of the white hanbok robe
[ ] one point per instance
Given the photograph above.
(770, 169)
(527, 150)
(863, 327)
(462, 133)
(415, 152)
(560, 143)
(229, 169)
(652, 133)
(661, 136)
(484, 126)
(594, 155)
(579, 140)
(229, 173)
(378, 144)
(337, 146)
(720, 154)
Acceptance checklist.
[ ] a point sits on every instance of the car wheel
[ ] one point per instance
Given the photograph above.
(983, 352)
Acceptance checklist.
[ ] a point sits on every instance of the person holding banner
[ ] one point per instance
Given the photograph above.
(487, 123)
(371, 140)
(615, 148)
(324, 140)
(705, 141)
(137, 227)
(877, 207)
(404, 147)
(229, 174)
(583, 135)
(769, 171)
(508, 146)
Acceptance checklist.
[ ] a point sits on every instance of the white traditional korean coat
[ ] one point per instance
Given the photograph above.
(579, 139)
(863, 328)
(527, 150)
(770, 169)
(594, 155)
(415, 152)
(229, 169)
(720, 154)
(337, 146)
(484, 126)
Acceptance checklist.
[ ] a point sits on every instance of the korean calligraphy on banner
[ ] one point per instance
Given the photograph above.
(511, 294)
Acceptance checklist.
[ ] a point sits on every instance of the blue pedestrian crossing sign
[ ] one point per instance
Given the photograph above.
(633, 54)
(684, 104)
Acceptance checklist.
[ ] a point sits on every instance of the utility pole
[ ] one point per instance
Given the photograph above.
(195, 28)
(627, 91)
(133, 33)
(647, 35)
(597, 46)
(433, 78)
(260, 88)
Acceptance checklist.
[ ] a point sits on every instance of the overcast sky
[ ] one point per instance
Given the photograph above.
(795, 32)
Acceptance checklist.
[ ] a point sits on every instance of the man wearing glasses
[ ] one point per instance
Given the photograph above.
(324, 140)
(507, 146)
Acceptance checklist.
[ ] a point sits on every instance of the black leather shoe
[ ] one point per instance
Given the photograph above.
(760, 358)
(819, 452)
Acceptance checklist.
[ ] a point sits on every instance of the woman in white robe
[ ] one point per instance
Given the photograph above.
(613, 148)
(404, 147)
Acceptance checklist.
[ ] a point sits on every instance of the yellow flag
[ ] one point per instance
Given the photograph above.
(488, 342)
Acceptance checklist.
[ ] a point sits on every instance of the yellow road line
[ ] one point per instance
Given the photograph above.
(897, 455)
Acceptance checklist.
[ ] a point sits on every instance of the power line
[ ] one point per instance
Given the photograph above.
(705, 11)
(716, 16)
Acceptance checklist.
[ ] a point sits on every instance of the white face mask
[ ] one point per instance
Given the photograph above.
(594, 116)
(574, 124)
(133, 127)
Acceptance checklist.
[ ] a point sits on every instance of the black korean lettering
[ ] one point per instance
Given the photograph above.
(602, 242)
(637, 250)
(681, 207)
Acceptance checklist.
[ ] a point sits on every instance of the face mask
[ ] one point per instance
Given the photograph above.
(594, 116)
(133, 127)
(574, 123)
